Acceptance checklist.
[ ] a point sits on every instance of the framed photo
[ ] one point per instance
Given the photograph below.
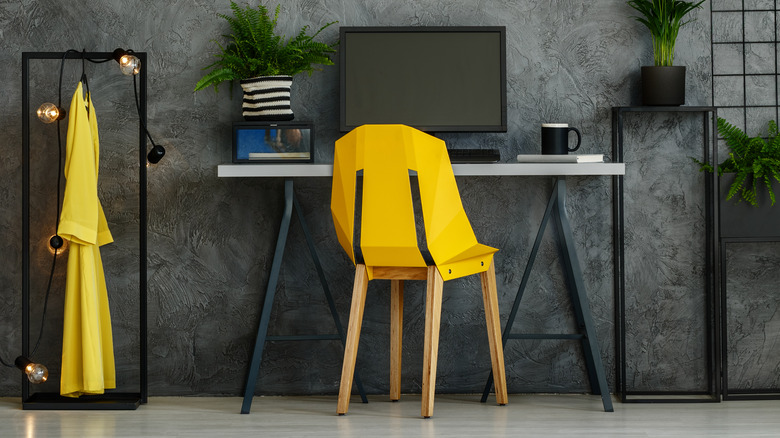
(273, 142)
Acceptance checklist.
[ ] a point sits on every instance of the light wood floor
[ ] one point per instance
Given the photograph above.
(454, 416)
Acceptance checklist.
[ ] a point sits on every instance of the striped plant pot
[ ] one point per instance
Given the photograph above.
(267, 98)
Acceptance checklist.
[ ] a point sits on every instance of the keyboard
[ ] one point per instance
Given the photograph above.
(474, 155)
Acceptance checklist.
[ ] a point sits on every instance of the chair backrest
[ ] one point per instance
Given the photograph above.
(386, 154)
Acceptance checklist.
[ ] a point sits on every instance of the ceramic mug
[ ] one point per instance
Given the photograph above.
(555, 138)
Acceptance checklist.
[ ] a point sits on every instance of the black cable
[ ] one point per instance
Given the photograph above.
(57, 204)
(95, 61)
(45, 302)
(57, 217)
(138, 108)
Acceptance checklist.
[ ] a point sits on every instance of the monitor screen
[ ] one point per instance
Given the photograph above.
(436, 79)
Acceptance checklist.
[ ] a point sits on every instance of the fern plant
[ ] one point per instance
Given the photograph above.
(755, 161)
(663, 18)
(254, 49)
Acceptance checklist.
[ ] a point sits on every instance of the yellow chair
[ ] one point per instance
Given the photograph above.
(388, 247)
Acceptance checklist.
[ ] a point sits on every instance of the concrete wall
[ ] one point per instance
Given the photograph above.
(211, 240)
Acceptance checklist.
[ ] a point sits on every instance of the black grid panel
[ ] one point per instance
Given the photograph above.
(746, 90)
(745, 84)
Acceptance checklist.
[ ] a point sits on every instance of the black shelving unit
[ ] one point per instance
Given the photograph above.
(110, 400)
(747, 94)
(709, 117)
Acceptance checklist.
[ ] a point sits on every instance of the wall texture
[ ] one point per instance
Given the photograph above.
(211, 240)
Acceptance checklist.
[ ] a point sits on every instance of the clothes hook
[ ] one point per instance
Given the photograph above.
(84, 73)
(84, 65)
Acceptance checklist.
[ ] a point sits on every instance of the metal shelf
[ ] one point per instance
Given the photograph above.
(709, 116)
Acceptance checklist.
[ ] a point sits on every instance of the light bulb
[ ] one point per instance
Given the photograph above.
(56, 242)
(36, 373)
(128, 63)
(57, 245)
(155, 155)
(49, 113)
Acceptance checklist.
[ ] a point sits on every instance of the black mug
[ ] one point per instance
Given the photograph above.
(555, 138)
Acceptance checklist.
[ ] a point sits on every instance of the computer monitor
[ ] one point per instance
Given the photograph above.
(436, 79)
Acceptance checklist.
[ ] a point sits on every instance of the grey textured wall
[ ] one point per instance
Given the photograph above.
(211, 240)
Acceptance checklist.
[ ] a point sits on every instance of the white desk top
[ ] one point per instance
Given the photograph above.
(491, 169)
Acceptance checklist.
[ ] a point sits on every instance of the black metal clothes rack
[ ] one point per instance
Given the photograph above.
(110, 400)
(744, 91)
(712, 394)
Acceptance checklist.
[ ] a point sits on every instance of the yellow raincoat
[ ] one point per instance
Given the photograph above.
(87, 344)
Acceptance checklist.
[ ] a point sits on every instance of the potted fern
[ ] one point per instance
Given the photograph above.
(663, 83)
(749, 174)
(264, 62)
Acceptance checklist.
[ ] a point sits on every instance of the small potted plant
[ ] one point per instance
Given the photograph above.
(748, 174)
(663, 83)
(264, 62)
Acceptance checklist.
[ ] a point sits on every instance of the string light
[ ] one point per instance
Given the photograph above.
(129, 64)
(36, 373)
(155, 155)
(50, 113)
(57, 245)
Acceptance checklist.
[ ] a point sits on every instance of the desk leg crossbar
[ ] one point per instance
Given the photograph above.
(262, 331)
(579, 297)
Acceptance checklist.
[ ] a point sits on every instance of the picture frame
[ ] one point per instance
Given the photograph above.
(273, 142)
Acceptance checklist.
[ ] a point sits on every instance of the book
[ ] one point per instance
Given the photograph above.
(569, 158)
(277, 155)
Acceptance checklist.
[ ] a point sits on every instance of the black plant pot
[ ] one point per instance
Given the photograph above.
(740, 219)
(663, 86)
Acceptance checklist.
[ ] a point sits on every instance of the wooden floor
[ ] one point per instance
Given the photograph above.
(454, 416)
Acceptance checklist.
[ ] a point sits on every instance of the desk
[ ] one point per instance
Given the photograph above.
(492, 169)
(555, 207)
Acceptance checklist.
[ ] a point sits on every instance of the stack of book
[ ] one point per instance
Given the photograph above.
(572, 158)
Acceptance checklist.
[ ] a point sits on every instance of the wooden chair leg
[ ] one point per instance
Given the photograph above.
(353, 337)
(431, 348)
(396, 336)
(490, 297)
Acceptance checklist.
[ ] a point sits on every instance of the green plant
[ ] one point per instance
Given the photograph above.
(753, 160)
(663, 18)
(254, 49)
